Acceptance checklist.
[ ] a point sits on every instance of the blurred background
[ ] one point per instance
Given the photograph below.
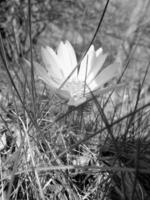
(76, 21)
(125, 25)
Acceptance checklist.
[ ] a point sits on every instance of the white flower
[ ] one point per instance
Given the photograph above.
(58, 66)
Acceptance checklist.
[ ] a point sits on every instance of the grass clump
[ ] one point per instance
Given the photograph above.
(98, 149)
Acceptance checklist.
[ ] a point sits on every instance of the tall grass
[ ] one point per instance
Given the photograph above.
(97, 150)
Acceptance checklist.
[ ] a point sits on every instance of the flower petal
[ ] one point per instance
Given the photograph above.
(55, 58)
(51, 64)
(106, 75)
(63, 94)
(99, 51)
(72, 54)
(86, 64)
(44, 76)
(102, 91)
(96, 67)
(65, 58)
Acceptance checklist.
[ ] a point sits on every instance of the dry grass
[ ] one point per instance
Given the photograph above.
(98, 150)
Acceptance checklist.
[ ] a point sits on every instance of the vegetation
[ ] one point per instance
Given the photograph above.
(99, 149)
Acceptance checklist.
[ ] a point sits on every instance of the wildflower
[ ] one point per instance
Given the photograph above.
(58, 66)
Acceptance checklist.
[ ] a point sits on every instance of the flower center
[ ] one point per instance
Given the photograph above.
(76, 89)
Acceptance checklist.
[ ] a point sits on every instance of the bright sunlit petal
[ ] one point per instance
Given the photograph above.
(72, 58)
(96, 67)
(72, 54)
(99, 51)
(86, 64)
(51, 64)
(55, 59)
(65, 59)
